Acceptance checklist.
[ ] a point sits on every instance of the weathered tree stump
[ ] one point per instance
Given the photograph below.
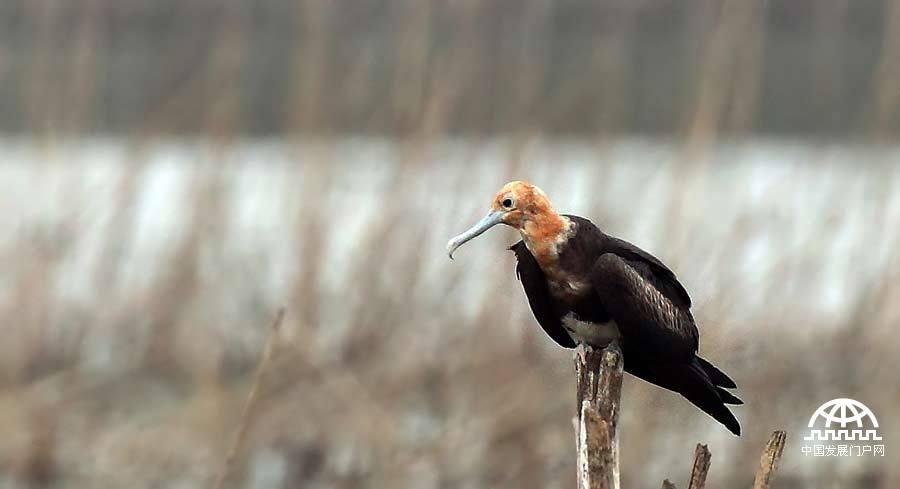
(700, 468)
(598, 376)
(768, 462)
(598, 380)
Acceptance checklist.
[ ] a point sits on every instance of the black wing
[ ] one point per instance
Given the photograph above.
(652, 310)
(535, 284)
(646, 303)
(651, 269)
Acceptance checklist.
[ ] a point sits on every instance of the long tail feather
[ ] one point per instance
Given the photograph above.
(727, 397)
(697, 387)
(717, 376)
(693, 381)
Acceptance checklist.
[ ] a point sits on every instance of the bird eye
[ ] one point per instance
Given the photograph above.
(507, 203)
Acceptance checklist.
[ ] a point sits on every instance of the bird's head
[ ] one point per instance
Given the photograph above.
(522, 206)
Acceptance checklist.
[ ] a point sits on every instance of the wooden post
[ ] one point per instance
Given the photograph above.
(598, 379)
(768, 462)
(700, 468)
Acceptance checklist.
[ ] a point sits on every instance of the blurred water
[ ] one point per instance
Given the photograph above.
(110, 248)
(823, 218)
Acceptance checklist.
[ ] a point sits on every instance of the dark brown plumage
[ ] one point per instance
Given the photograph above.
(650, 307)
(585, 286)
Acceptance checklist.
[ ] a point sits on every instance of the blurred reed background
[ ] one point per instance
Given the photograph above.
(174, 172)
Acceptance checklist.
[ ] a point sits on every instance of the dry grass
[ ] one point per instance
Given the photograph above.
(408, 370)
(139, 266)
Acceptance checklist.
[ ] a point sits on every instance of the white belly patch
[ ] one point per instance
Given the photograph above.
(594, 334)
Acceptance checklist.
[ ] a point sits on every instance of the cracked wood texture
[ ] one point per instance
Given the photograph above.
(768, 462)
(700, 468)
(598, 376)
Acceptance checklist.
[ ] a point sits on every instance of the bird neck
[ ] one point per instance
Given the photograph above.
(544, 233)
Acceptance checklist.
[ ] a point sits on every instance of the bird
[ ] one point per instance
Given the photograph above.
(585, 286)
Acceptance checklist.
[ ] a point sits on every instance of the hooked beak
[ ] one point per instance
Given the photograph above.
(490, 220)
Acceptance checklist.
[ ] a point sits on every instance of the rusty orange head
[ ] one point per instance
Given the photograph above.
(520, 205)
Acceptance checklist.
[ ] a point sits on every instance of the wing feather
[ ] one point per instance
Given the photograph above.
(535, 284)
(651, 269)
(644, 313)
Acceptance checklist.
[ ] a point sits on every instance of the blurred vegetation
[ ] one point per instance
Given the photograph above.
(136, 299)
(174, 172)
(399, 67)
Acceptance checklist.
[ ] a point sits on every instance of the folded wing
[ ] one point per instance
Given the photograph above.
(535, 284)
(642, 311)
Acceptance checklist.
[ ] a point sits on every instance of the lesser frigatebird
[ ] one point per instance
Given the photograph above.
(585, 286)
